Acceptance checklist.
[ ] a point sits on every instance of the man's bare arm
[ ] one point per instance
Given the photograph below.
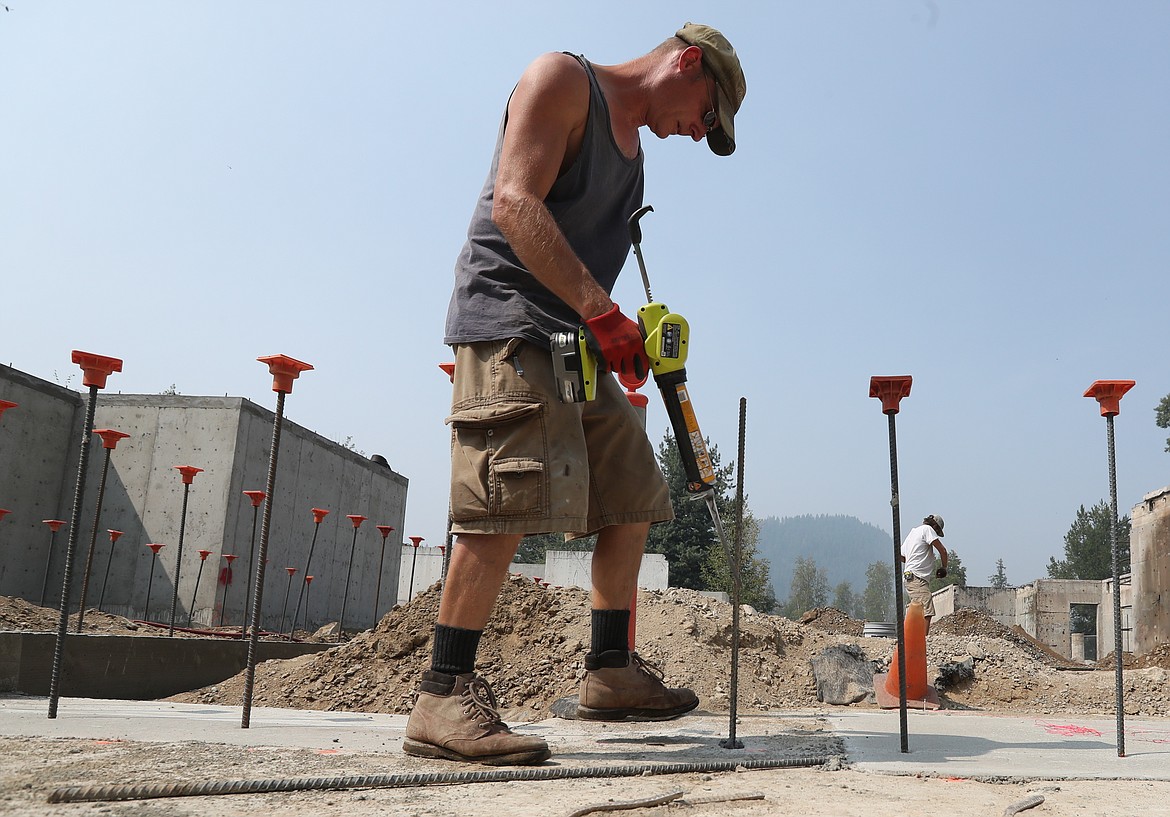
(546, 121)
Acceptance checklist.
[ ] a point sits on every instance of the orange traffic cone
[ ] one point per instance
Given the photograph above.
(914, 631)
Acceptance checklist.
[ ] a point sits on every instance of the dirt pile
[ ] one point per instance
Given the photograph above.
(534, 647)
(18, 614)
(832, 620)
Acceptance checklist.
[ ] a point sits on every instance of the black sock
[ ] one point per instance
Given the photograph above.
(453, 651)
(611, 630)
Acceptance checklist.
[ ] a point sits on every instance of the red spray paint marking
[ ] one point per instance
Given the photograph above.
(1069, 730)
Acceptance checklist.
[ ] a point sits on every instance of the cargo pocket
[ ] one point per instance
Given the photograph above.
(498, 456)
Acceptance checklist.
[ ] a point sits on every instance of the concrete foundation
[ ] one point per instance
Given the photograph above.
(1149, 543)
(1043, 610)
(138, 668)
(229, 438)
(999, 604)
(573, 568)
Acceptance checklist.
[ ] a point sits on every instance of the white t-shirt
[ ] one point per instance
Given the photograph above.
(918, 551)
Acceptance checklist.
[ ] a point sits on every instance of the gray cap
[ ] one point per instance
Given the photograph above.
(937, 521)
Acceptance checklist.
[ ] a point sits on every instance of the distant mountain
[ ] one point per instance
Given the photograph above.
(842, 546)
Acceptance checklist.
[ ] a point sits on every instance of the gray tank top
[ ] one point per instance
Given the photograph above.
(495, 297)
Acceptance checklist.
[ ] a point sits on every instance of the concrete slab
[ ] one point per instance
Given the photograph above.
(161, 721)
(944, 744)
(975, 745)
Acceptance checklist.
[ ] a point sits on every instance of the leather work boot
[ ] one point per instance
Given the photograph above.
(620, 684)
(455, 718)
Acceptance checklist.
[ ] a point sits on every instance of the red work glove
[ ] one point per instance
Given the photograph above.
(617, 341)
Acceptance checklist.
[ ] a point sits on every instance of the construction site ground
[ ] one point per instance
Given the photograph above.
(1028, 729)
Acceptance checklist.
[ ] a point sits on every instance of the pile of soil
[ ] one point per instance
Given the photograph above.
(534, 647)
(21, 615)
(832, 620)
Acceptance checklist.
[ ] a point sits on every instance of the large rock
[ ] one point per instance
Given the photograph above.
(843, 674)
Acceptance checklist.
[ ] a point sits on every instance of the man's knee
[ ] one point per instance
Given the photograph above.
(490, 547)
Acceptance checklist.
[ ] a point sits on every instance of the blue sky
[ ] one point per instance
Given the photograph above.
(974, 194)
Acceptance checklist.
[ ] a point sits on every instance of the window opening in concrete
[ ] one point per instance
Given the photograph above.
(1082, 623)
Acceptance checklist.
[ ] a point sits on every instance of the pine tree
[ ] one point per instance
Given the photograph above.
(956, 573)
(689, 538)
(998, 579)
(1088, 553)
(1162, 416)
(755, 588)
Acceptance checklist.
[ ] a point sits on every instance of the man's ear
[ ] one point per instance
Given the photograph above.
(690, 57)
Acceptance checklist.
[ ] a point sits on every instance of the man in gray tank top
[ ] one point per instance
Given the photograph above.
(546, 243)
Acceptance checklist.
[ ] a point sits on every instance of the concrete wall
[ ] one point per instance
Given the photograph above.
(130, 667)
(39, 447)
(999, 604)
(573, 568)
(143, 497)
(1150, 568)
(1105, 634)
(1043, 609)
(316, 472)
(428, 568)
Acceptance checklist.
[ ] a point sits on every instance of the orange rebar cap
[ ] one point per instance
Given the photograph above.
(284, 371)
(256, 496)
(356, 518)
(96, 368)
(5, 405)
(188, 472)
(54, 524)
(890, 390)
(319, 514)
(1109, 393)
(110, 437)
(384, 530)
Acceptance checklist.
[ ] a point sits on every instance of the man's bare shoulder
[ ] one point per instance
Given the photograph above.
(555, 77)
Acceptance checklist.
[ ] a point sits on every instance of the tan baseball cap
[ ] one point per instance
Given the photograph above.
(720, 58)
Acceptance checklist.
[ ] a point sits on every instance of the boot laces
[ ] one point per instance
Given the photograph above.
(479, 702)
(646, 667)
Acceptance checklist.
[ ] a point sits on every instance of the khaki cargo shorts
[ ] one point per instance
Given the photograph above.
(919, 590)
(524, 462)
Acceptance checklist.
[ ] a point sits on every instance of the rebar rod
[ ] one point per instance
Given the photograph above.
(736, 583)
(75, 523)
(304, 589)
(251, 564)
(148, 791)
(97, 515)
(1113, 546)
(896, 509)
(257, 597)
(179, 559)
